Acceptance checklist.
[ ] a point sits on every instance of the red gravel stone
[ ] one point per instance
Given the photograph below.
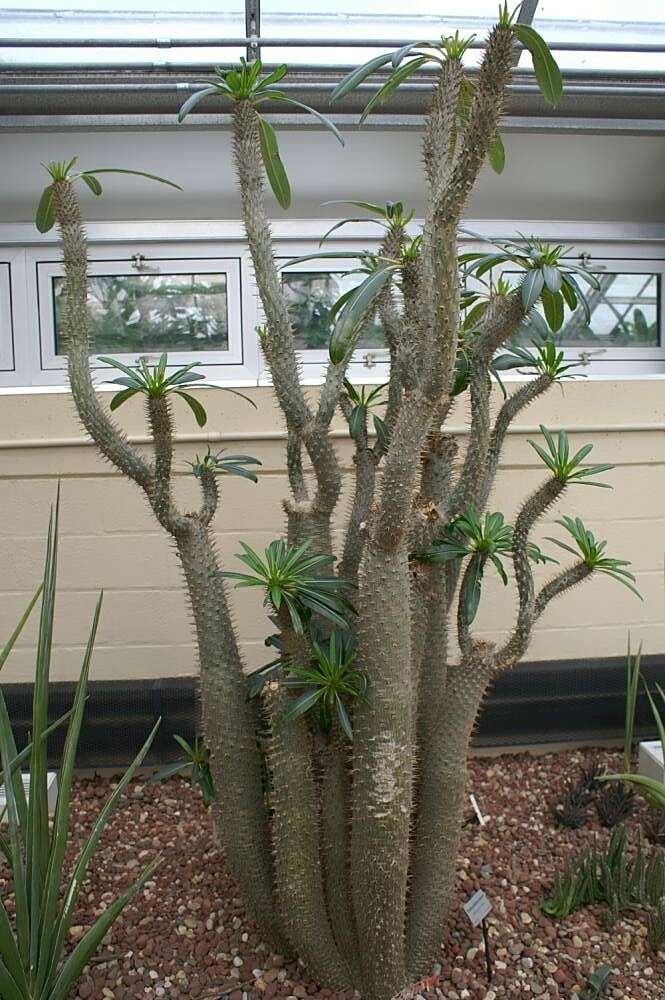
(162, 946)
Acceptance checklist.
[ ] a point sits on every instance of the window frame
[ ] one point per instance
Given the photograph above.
(43, 264)
(636, 247)
(596, 358)
(7, 315)
(312, 361)
(109, 267)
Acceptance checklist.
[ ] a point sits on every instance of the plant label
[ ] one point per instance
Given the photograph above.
(478, 907)
(476, 809)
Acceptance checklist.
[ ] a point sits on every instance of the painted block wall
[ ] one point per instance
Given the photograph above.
(111, 541)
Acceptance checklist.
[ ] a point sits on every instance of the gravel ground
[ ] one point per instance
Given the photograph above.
(187, 935)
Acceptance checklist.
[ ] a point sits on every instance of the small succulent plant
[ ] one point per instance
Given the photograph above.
(615, 804)
(654, 826)
(573, 810)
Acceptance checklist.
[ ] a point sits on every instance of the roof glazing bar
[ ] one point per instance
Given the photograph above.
(258, 42)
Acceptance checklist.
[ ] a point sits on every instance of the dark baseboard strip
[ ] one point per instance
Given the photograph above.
(560, 701)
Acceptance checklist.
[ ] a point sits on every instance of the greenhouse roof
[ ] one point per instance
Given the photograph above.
(605, 47)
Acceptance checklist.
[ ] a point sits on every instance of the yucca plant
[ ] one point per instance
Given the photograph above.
(350, 861)
(650, 788)
(34, 959)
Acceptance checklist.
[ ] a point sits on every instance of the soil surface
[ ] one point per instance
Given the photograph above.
(187, 934)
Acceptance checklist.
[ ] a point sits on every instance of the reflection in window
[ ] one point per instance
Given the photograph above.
(310, 296)
(624, 313)
(131, 314)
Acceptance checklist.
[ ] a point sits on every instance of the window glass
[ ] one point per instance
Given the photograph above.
(131, 313)
(385, 21)
(624, 313)
(132, 20)
(310, 296)
(602, 22)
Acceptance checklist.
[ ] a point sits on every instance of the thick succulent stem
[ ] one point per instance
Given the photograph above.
(161, 424)
(532, 510)
(392, 517)
(278, 342)
(365, 461)
(75, 324)
(502, 317)
(210, 492)
(560, 584)
(297, 834)
(512, 406)
(484, 114)
(383, 772)
(430, 513)
(230, 724)
(440, 815)
(335, 826)
(442, 129)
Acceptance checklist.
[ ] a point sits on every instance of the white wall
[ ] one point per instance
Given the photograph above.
(554, 176)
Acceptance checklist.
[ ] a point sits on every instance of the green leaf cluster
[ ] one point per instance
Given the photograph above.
(196, 762)
(363, 399)
(327, 683)
(156, 382)
(565, 467)
(245, 83)
(490, 539)
(388, 216)
(592, 551)
(545, 359)
(353, 309)
(548, 277)
(404, 62)
(292, 578)
(221, 464)
(61, 170)
(34, 963)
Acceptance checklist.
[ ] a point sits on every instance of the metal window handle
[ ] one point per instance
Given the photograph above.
(585, 356)
(138, 261)
(369, 359)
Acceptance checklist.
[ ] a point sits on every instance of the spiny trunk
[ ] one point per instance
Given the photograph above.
(441, 808)
(230, 724)
(383, 773)
(296, 832)
(335, 825)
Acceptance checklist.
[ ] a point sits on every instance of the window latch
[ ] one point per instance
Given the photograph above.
(586, 356)
(369, 360)
(138, 261)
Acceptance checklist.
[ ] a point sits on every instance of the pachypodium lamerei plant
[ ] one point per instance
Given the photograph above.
(348, 856)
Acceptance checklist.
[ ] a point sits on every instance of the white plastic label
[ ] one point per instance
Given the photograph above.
(477, 907)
